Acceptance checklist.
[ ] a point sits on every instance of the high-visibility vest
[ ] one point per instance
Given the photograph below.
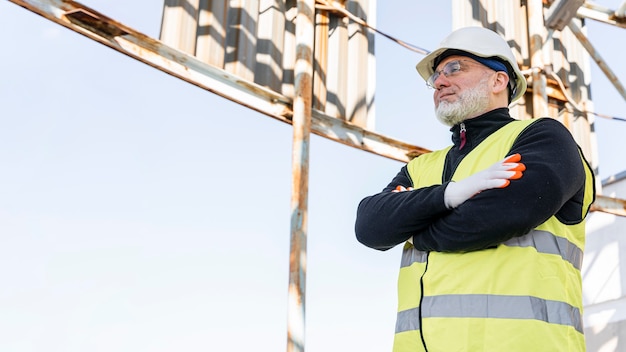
(523, 295)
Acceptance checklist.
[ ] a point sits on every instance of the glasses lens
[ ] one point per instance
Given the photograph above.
(448, 69)
(431, 80)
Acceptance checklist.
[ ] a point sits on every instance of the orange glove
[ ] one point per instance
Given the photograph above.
(401, 189)
(497, 175)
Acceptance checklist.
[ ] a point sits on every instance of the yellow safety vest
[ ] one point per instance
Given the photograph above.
(524, 295)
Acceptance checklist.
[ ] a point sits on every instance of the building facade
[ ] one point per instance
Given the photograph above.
(604, 275)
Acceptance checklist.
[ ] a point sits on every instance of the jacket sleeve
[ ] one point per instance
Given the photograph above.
(553, 184)
(388, 218)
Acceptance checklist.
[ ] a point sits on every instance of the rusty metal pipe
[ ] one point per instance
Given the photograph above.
(597, 58)
(302, 110)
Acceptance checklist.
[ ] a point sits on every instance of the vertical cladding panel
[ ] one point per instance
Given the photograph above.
(179, 24)
(241, 34)
(289, 53)
(581, 130)
(569, 62)
(523, 108)
(467, 13)
(212, 32)
(358, 51)
(270, 44)
(559, 56)
(504, 17)
(577, 56)
(577, 126)
(255, 40)
(584, 123)
(320, 59)
(511, 23)
(371, 67)
(337, 73)
(519, 12)
(578, 88)
(557, 61)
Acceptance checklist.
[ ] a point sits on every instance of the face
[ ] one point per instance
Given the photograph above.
(461, 89)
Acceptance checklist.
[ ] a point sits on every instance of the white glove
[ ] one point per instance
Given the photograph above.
(497, 175)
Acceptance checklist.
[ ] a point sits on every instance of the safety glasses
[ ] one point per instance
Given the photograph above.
(448, 69)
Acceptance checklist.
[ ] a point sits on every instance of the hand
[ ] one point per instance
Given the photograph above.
(497, 175)
(400, 188)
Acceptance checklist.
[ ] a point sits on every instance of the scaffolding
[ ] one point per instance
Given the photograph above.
(310, 63)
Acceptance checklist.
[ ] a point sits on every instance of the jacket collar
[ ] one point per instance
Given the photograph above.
(478, 128)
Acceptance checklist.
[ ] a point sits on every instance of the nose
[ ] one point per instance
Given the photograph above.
(441, 80)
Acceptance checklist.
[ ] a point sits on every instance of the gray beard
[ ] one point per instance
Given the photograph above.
(470, 103)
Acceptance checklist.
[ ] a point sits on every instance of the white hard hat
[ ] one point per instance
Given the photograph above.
(481, 42)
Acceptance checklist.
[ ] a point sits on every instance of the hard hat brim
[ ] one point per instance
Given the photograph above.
(425, 67)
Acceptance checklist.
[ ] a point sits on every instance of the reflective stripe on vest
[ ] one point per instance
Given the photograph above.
(491, 306)
(547, 243)
(543, 241)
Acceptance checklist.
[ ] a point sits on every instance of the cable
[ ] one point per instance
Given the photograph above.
(569, 99)
(331, 6)
(607, 116)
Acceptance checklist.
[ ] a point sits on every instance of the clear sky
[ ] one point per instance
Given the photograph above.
(141, 213)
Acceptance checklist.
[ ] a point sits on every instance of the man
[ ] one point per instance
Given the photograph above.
(493, 226)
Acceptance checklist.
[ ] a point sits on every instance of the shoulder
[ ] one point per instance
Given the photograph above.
(547, 128)
(430, 157)
(548, 123)
(548, 140)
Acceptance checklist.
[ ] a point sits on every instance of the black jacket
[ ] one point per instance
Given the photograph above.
(553, 183)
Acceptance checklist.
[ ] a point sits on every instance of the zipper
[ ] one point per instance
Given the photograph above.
(462, 135)
(421, 321)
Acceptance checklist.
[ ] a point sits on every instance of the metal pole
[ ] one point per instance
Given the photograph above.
(300, 174)
(597, 58)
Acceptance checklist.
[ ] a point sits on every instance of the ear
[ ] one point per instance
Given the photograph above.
(501, 82)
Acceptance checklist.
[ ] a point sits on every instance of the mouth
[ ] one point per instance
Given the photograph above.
(444, 95)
